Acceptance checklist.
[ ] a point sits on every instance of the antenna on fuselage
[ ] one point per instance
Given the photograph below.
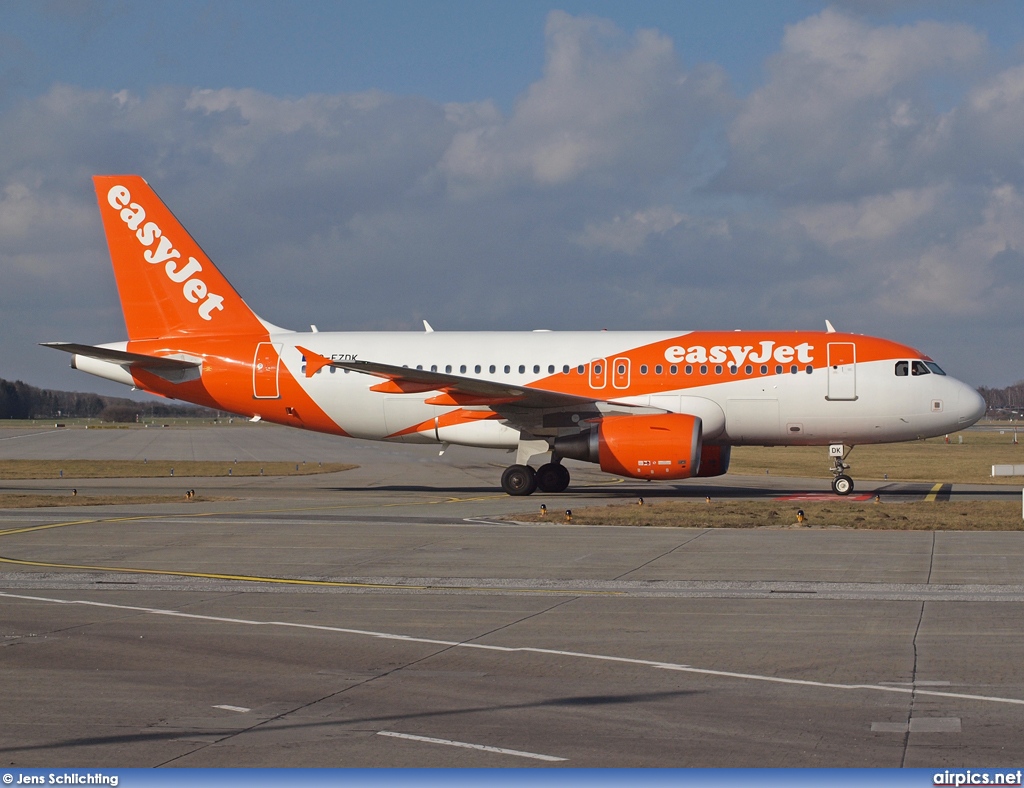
(829, 328)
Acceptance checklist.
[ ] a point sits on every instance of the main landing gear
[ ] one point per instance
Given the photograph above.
(524, 480)
(841, 483)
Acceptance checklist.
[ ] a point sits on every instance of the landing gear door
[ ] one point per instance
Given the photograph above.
(842, 371)
(264, 371)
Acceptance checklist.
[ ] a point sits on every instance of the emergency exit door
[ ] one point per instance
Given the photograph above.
(265, 371)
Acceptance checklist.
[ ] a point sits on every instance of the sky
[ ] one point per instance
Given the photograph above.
(501, 164)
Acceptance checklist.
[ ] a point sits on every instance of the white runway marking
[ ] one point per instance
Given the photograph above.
(30, 435)
(531, 650)
(240, 709)
(919, 725)
(468, 746)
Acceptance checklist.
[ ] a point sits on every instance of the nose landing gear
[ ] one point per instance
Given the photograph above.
(841, 483)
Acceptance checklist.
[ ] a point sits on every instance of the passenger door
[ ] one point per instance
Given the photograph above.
(842, 371)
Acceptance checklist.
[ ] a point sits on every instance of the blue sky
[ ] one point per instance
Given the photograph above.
(491, 165)
(445, 50)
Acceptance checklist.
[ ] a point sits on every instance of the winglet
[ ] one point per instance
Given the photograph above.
(829, 328)
(314, 361)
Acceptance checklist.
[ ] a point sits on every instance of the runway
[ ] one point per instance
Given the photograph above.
(384, 617)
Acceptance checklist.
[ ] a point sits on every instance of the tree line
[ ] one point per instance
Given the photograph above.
(1009, 398)
(19, 400)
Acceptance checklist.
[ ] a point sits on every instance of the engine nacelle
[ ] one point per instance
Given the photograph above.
(714, 460)
(657, 446)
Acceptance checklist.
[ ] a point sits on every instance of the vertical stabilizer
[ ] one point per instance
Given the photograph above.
(167, 284)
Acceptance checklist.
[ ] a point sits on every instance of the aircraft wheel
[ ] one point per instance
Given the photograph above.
(842, 485)
(552, 478)
(519, 480)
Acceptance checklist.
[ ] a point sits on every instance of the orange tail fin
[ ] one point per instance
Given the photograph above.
(168, 286)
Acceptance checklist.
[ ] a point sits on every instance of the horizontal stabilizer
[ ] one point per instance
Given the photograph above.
(123, 357)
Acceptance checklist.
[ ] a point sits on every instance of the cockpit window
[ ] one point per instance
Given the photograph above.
(901, 369)
(934, 367)
(919, 368)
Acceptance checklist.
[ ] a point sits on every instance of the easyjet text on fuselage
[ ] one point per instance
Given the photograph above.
(765, 351)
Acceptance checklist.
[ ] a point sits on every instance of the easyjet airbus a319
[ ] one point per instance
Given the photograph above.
(641, 404)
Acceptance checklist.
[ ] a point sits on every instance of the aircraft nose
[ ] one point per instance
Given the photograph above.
(970, 406)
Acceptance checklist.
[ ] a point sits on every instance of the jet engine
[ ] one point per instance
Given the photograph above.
(657, 446)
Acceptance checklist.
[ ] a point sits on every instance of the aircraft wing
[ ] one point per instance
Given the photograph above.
(460, 389)
(537, 410)
(123, 357)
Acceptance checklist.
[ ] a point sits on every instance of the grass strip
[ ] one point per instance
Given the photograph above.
(909, 516)
(933, 459)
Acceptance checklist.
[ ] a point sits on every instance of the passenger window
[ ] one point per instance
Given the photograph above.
(597, 369)
(581, 369)
(507, 369)
(522, 369)
(718, 369)
(492, 369)
(748, 369)
(793, 370)
(643, 369)
(764, 369)
(433, 367)
(674, 369)
(808, 369)
(778, 369)
(901, 369)
(565, 370)
(918, 368)
(689, 369)
(659, 369)
(536, 368)
(476, 369)
(462, 368)
(703, 369)
(419, 366)
(733, 369)
(448, 368)
(551, 369)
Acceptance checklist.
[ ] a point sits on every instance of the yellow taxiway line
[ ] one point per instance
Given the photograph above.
(268, 579)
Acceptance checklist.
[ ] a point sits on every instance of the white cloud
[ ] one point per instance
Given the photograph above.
(627, 234)
(607, 103)
(957, 276)
(845, 110)
(869, 219)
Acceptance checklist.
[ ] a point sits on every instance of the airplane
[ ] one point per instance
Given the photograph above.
(654, 405)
